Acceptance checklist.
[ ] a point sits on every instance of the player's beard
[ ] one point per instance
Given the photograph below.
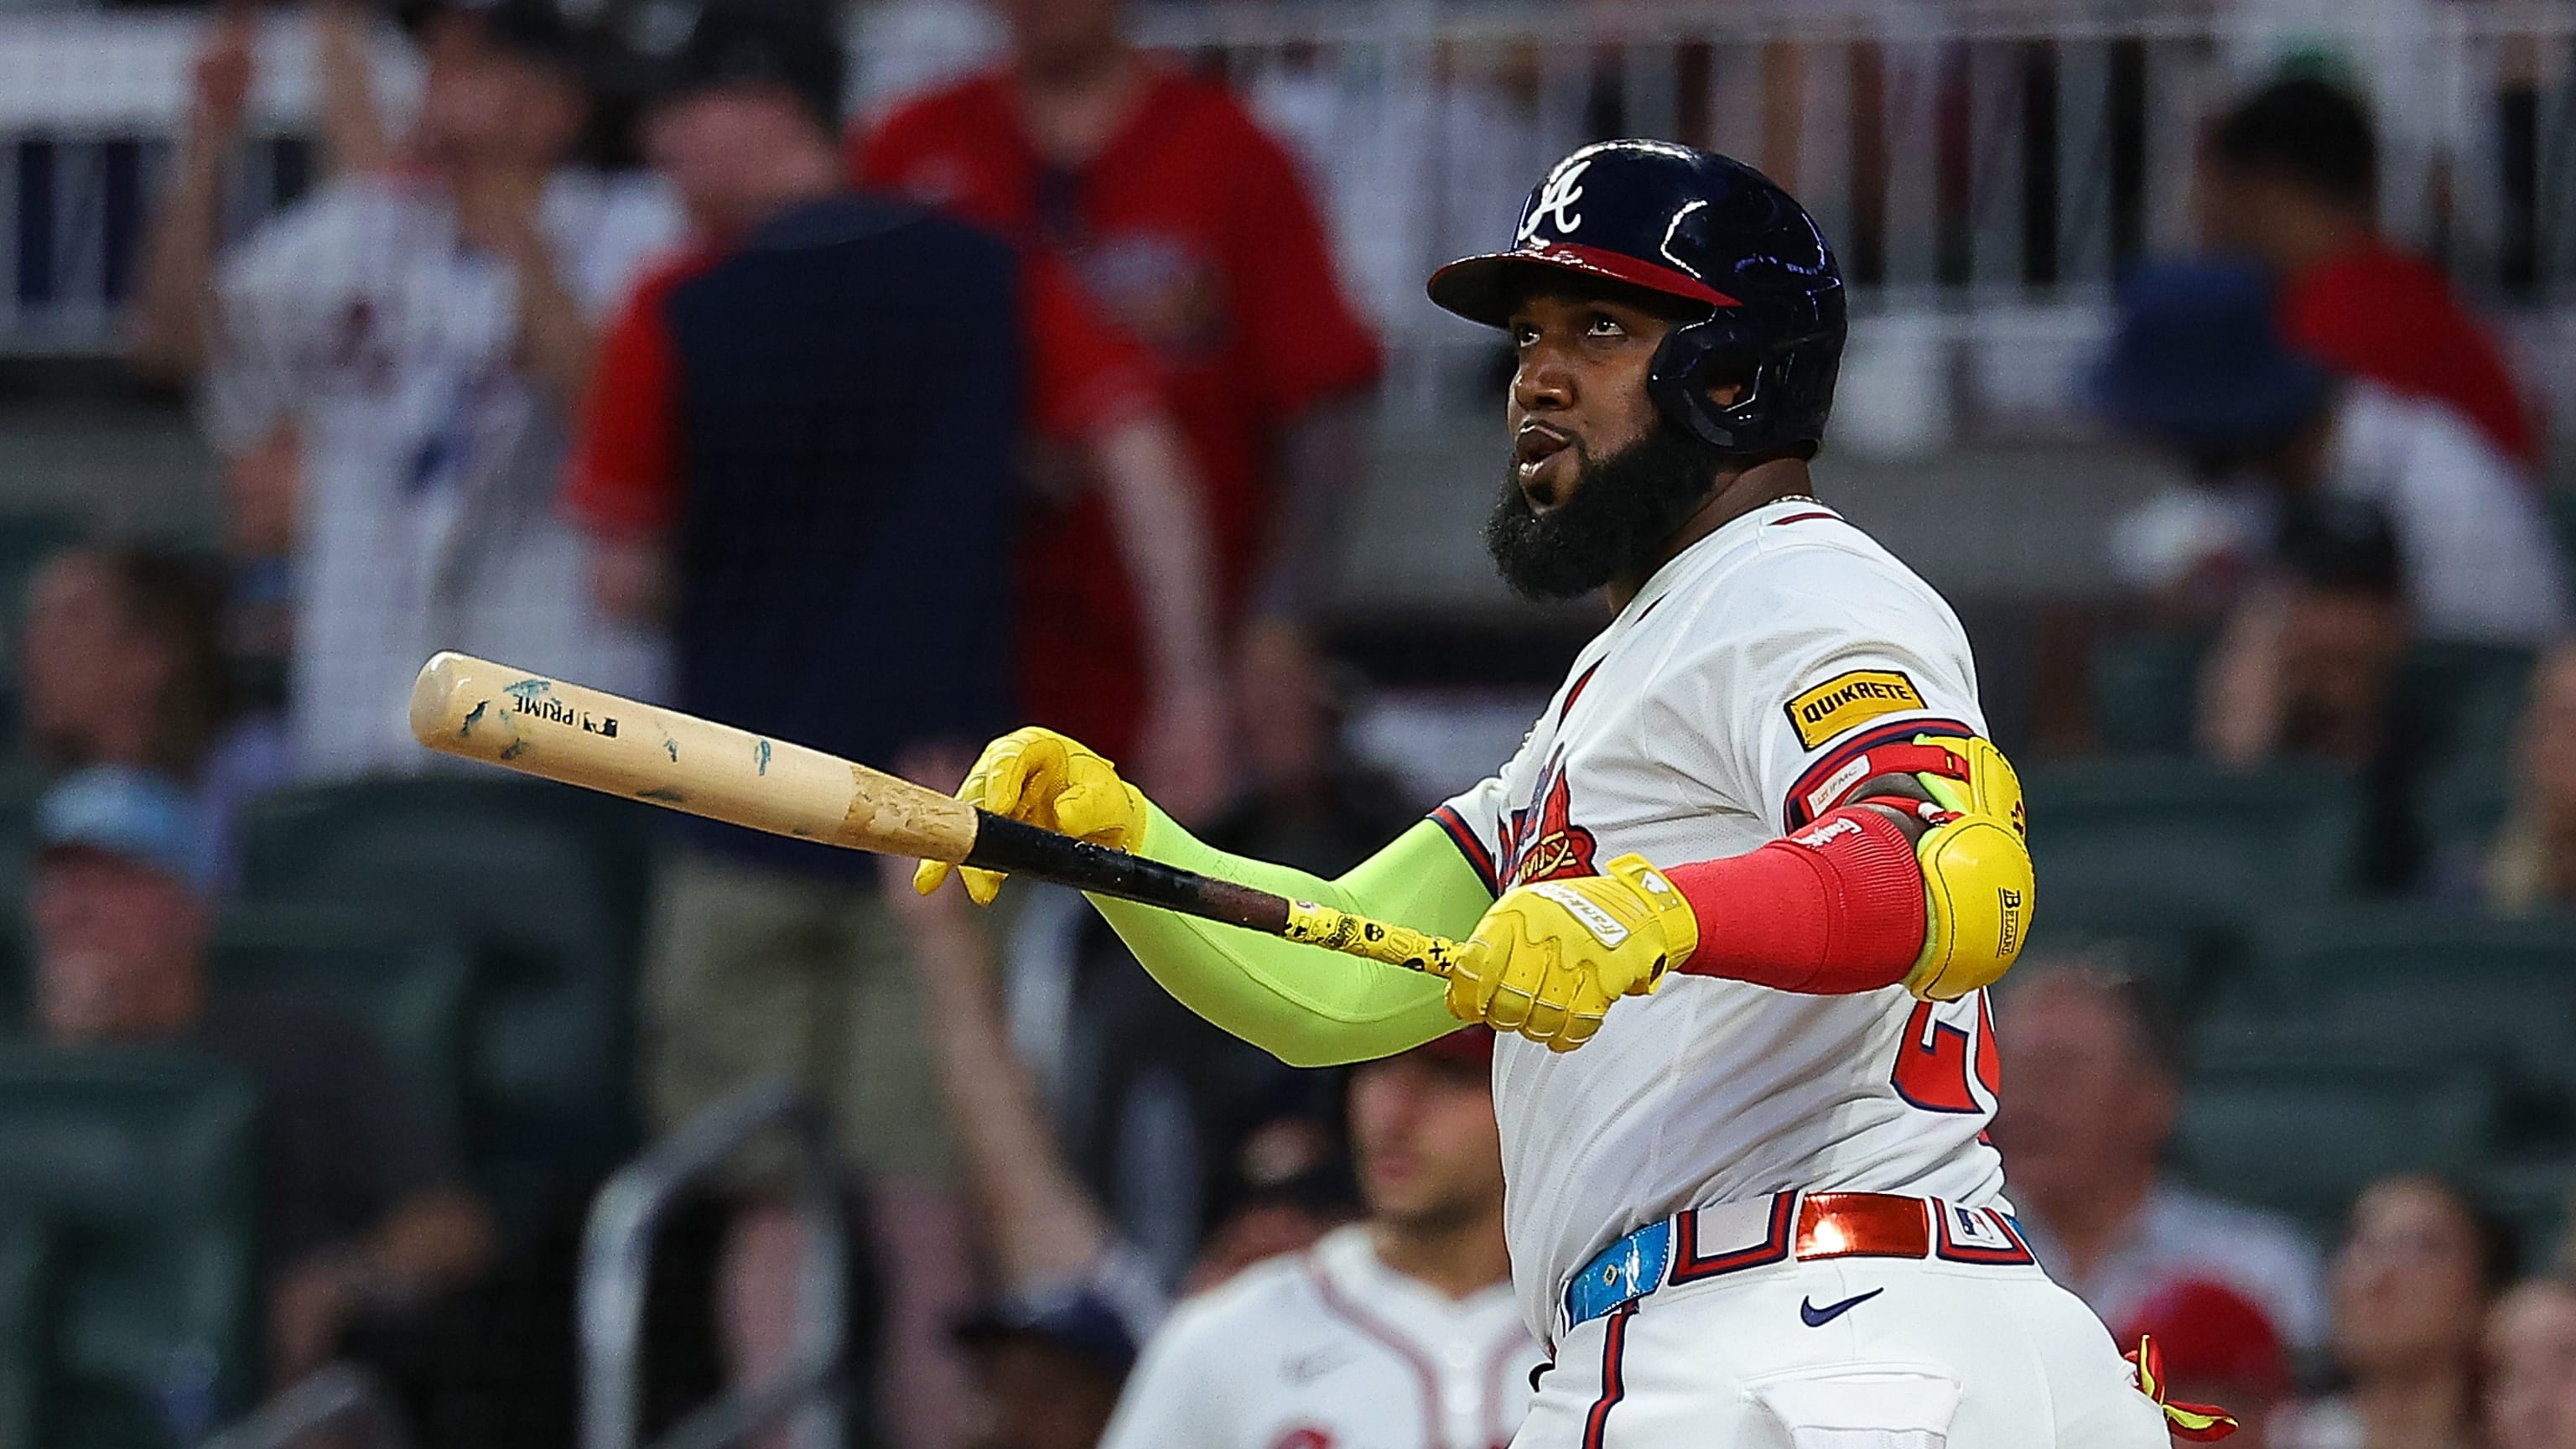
(1623, 509)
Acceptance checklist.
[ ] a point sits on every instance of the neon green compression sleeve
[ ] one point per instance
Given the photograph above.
(1304, 1005)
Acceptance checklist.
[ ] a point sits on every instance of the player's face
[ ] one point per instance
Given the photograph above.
(1598, 482)
(1578, 388)
(1425, 1143)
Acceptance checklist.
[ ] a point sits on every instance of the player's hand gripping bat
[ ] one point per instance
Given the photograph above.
(480, 710)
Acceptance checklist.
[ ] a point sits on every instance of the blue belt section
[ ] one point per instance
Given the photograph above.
(1632, 1267)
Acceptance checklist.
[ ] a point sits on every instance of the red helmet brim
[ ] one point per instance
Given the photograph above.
(1482, 288)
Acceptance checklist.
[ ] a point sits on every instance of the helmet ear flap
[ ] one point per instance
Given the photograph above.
(1700, 355)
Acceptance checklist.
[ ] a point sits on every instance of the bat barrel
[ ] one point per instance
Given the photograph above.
(478, 710)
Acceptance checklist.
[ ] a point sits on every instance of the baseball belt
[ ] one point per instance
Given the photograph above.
(1736, 1237)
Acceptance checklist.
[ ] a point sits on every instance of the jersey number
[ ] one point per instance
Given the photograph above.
(1935, 1060)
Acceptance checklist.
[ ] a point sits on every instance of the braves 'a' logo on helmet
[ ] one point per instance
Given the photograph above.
(1554, 205)
(1541, 840)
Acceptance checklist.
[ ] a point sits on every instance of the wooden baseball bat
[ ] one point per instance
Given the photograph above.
(478, 710)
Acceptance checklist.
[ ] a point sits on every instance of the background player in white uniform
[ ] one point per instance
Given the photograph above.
(405, 343)
(1394, 1333)
(1755, 1207)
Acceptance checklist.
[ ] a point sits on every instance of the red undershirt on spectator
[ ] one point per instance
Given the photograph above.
(1191, 229)
(2376, 312)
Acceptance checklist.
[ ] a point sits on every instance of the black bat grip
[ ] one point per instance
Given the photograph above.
(1019, 848)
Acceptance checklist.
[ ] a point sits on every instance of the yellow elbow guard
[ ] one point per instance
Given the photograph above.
(1976, 873)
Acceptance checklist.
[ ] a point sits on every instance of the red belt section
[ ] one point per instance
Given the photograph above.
(1862, 1225)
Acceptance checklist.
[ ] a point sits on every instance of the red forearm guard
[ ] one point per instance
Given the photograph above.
(1834, 909)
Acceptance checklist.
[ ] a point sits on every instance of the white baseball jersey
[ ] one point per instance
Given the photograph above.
(1330, 1349)
(430, 462)
(1730, 701)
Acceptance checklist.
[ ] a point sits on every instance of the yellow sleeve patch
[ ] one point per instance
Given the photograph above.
(1849, 699)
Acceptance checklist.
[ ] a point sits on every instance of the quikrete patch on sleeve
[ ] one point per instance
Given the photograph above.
(1849, 699)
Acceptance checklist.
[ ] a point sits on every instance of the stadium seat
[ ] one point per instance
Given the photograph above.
(2561, 503)
(2148, 945)
(2303, 1134)
(2189, 842)
(2423, 984)
(2145, 688)
(410, 989)
(27, 1273)
(2533, 1196)
(21, 787)
(142, 1167)
(546, 885)
(17, 976)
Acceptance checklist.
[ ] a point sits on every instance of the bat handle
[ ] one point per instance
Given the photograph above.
(1004, 844)
(1339, 930)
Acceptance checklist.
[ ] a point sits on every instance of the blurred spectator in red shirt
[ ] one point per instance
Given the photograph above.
(1192, 228)
(2218, 1347)
(2293, 179)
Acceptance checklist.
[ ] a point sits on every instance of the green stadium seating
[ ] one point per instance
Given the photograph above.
(142, 1166)
(21, 787)
(2561, 504)
(2187, 842)
(27, 1285)
(2423, 984)
(2145, 689)
(411, 990)
(2303, 1135)
(2148, 945)
(546, 886)
(2533, 1196)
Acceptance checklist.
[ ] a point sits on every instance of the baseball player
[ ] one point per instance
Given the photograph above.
(1757, 861)
(1394, 1333)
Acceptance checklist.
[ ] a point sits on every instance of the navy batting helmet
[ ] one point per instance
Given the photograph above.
(1699, 227)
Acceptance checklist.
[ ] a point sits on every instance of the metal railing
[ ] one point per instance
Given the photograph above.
(617, 1254)
(337, 1400)
(1970, 159)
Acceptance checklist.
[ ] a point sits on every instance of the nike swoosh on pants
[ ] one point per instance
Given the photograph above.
(1814, 1317)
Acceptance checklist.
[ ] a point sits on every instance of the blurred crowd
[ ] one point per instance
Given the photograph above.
(757, 423)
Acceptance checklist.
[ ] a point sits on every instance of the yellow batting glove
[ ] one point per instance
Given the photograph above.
(1041, 778)
(1549, 958)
